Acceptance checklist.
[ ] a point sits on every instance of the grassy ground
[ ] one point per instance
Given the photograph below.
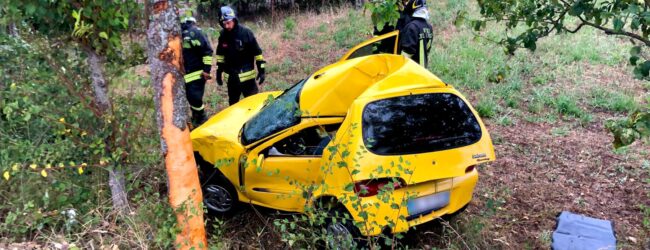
(546, 115)
(546, 118)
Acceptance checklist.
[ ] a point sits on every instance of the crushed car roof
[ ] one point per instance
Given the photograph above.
(331, 90)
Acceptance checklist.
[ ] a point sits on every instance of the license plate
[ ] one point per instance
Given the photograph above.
(428, 203)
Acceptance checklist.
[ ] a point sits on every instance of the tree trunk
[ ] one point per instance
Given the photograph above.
(172, 115)
(116, 179)
(100, 86)
(12, 30)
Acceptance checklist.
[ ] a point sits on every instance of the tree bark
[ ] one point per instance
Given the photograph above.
(172, 116)
(100, 86)
(116, 179)
(12, 30)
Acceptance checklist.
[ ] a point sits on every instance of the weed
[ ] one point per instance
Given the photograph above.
(566, 105)
(322, 28)
(311, 34)
(289, 28)
(306, 46)
(487, 107)
(540, 79)
(612, 101)
(560, 131)
(545, 237)
(505, 120)
(349, 33)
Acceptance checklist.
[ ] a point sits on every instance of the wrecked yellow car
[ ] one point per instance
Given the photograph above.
(375, 136)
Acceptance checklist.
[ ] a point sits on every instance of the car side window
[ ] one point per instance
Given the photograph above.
(308, 142)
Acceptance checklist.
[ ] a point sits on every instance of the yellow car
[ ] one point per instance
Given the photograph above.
(375, 136)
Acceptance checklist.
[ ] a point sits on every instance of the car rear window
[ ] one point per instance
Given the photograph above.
(418, 123)
(278, 115)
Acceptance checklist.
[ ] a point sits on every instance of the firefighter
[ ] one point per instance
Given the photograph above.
(237, 55)
(416, 33)
(197, 60)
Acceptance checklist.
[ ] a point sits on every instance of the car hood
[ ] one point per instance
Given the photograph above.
(222, 130)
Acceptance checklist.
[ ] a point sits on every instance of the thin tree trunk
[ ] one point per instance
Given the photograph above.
(172, 115)
(116, 179)
(100, 86)
(12, 30)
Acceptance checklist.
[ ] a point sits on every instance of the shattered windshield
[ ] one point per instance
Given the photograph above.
(419, 123)
(281, 113)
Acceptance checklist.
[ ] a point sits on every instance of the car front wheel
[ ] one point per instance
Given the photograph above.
(220, 198)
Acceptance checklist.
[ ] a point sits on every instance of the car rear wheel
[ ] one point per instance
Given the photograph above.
(341, 231)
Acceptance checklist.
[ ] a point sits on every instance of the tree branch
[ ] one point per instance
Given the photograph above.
(70, 87)
(609, 31)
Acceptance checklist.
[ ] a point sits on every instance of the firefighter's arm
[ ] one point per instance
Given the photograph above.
(259, 59)
(409, 41)
(206, 51)
(220, 61)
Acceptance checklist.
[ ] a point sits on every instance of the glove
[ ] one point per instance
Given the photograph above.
(219, 79)
(261, 76)
(261, 73)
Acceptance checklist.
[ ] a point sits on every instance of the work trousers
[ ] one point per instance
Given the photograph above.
(237, 88)
(194, 92)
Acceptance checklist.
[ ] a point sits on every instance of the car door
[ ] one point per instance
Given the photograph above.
(282, 178)
(384, 44)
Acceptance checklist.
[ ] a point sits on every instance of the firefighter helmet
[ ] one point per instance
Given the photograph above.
(227, 14)
(189, 19)
(411, 6)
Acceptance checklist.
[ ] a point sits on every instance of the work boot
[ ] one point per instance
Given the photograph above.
(198, 117)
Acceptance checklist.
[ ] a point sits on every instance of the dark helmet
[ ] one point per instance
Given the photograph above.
(411, 5)
(227, 14)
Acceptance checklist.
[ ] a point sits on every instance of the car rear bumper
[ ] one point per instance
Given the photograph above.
(378, 214)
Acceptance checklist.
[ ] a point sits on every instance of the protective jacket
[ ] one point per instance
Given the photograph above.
(197, 52)
(415, 38)
(237, 53)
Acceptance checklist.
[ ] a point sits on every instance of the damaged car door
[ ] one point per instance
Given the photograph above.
(283, 170)
(384, 44)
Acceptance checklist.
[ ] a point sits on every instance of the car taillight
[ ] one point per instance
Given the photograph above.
(470, 169)
(372, 187)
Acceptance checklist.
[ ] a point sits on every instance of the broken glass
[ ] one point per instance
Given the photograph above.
(418, 123)
(279, 114)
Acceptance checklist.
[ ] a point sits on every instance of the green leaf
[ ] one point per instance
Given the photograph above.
(103, 35)
(642, 70)
(618, 24)
(635, 51)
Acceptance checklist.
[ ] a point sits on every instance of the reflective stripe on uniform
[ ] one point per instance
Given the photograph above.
(199, 108)
(248, 75)
(207, 60)
(196, 75)
(259, 58)
(263, 65)
(220, 59)
(422, 52)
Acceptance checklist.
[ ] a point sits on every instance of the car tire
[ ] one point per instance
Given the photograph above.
(341, 231)
(220, 197)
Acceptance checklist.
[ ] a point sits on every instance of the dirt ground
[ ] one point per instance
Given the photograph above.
(538, 175)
